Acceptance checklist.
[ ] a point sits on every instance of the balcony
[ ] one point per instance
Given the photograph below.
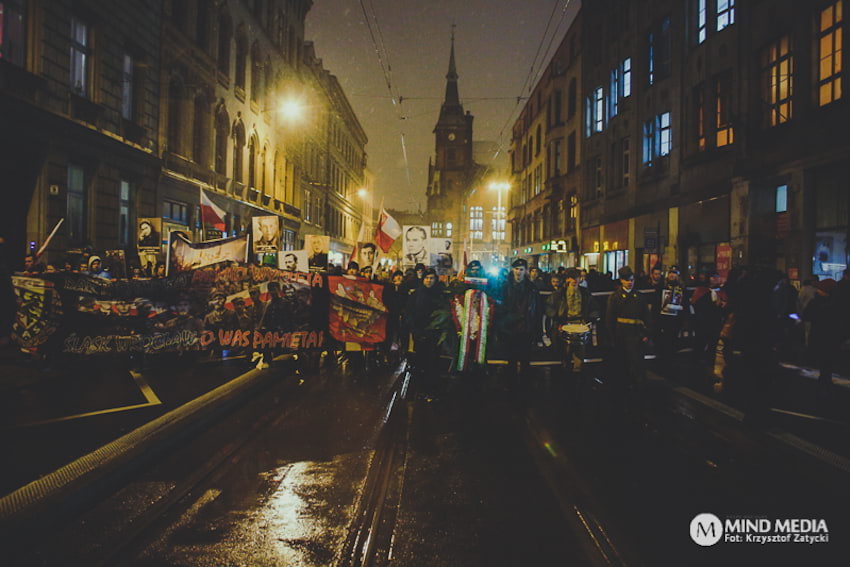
(84, 110)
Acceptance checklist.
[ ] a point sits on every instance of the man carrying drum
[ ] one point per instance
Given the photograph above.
(571, 309)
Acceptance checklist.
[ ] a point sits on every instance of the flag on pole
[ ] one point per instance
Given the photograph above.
(211, 214)
(388, 231)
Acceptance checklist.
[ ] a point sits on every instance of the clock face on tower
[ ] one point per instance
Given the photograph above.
(451, 137)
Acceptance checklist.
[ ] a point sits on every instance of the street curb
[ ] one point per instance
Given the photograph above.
(60, 486)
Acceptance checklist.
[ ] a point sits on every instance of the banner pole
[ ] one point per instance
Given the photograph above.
(201, 207)
(49, 238)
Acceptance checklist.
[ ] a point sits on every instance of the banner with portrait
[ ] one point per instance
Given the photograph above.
(183, 255)
(293, 260)
(416, 245)
(357, 312)
(442, 255)
(265, 234)
(367, 255)
(317, 247)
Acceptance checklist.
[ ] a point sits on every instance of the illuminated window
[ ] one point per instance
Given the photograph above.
(830, 40)
(436, 229)
(476, 222)
(598, 109)
(777, 72)
(723, 114)
(657, 138)
(702, 19)
(725, 13)
(614, 93)
(13, 32)
(497, 224)
(448, 229)
(781, 198)
(79, 57)
(626, 69)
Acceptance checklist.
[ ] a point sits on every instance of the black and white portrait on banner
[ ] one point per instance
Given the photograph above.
(367, 255)
(317, 248)
(442, 255)
(293, 260)
(416, 245)
(266, 234)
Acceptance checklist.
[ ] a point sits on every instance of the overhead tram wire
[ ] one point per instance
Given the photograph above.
(531, 72)
(386, 70)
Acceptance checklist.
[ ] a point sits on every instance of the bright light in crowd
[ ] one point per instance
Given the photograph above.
(493, 270)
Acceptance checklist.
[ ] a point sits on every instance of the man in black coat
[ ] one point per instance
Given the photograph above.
(426, 317)
(518, 317)
(627, 318)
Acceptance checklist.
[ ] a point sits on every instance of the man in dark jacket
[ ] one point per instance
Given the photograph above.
(573, 304)
(518, 316)
(708, 318)
(426, 317)
(627, 319)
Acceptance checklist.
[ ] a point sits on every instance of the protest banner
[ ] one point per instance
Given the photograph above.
(357, 312)
(416, 246)
(221, 306)
(266, 234)
(184, 255)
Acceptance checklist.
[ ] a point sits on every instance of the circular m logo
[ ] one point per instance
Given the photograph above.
(706, 529)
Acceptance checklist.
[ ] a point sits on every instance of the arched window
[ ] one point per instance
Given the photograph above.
(241, 59)
(200, 130)
(222, 131)
(238, 150)
(256, 72)
(175, 120)
(252, 162)
(263, 170)
(225, 32)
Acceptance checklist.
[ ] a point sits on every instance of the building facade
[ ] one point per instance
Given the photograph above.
(710, 137)
(114, 112)
(546, 161)
(79, 91)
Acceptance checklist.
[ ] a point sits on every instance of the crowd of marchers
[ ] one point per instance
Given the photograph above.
(741, 324)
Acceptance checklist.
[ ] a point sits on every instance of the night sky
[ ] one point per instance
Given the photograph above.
(495, 44)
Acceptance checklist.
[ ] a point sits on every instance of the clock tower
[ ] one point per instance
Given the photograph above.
(451, 170)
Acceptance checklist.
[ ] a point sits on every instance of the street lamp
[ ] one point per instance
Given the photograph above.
(500, 186)
(292, 110)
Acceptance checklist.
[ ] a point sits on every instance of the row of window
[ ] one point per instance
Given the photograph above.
(551, 222)
(476, 223)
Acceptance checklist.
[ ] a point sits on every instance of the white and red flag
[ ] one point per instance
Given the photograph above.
(388, 231)
(211, 214)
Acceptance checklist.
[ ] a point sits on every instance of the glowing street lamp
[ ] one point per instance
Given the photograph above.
(292, 110)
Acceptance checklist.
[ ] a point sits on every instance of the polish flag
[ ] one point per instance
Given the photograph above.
(388, 231)
(211, 214)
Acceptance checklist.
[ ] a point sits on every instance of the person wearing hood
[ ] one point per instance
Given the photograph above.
(426, 317)
(95, 268)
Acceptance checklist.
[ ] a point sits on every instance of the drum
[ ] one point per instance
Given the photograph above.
(575, 332)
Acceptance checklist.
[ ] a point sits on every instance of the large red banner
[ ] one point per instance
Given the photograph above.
(357, 312)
